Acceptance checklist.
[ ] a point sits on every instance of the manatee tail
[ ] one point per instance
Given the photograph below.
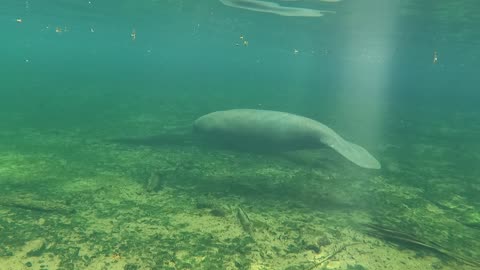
(356, 154)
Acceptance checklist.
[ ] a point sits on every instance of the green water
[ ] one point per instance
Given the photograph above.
(99, 168)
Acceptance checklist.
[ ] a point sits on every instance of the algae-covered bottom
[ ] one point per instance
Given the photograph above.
(72, 200)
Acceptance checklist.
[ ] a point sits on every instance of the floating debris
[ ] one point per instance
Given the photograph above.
(133, 34)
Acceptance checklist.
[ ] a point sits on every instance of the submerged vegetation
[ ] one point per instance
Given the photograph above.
(108, 205)
(99, 169)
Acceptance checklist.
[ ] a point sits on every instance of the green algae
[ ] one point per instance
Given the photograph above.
(298, 213)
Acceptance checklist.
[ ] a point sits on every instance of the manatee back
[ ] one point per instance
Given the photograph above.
(260, 129)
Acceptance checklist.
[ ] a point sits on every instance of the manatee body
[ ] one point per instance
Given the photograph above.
(278, 130)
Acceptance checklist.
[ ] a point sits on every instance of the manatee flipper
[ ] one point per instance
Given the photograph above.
(356, 154)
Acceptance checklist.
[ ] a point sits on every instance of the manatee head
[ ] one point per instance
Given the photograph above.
(207, 123)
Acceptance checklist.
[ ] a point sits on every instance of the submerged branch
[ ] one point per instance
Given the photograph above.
(393, 235)
(36, 205)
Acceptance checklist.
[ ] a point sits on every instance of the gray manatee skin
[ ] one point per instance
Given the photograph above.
(279, 130)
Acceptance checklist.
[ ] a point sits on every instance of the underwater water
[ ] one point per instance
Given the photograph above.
(100, 169)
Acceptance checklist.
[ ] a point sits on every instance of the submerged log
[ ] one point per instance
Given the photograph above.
(244, 221)
(36, 205)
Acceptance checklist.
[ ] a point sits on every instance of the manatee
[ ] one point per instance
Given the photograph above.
(279, 131)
